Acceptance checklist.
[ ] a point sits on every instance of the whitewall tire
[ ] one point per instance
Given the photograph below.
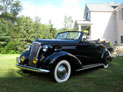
(62, 71)
(106, 65)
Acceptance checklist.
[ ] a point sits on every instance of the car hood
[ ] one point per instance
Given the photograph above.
(56, 41)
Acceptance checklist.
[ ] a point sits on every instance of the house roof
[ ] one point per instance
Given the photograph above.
(101, 7)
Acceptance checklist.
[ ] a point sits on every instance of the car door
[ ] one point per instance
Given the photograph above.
(88, 52)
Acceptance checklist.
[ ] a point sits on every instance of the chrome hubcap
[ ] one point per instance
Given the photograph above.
(62, 72)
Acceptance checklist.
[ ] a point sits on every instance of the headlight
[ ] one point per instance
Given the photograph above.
(28, 47)
(45, 48)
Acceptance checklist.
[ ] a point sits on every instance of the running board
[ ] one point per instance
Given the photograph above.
(89, 66)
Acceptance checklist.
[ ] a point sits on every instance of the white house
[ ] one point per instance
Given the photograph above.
(103, 21)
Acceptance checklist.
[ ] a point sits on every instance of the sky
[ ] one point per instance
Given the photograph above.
(55, 10)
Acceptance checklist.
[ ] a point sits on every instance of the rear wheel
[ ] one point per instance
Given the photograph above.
(106, 65)
(107, 60)
(62, 71)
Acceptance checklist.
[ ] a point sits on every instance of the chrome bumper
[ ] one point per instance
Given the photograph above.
(30, 68)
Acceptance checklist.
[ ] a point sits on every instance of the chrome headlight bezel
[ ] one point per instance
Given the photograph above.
(45, 48)
(28, 47)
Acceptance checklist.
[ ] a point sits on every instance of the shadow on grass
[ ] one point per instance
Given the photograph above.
(46, 77)
(35, 76)
(17, 81)
(91, 80)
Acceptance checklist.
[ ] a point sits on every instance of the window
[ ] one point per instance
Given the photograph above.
(122, 39)
(88, 16)
(114, 7)
(121, 13)
(68, 35)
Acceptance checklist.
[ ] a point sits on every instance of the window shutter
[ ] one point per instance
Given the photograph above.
(121, 13)
(121, 38)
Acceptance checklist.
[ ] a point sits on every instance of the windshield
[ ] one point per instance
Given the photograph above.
(68, 36)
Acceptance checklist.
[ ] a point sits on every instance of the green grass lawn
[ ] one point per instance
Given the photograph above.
(92, 80)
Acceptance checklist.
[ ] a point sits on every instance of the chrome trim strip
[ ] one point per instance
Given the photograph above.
(38, 51)
(36, 42)
(32, 68)
(90, 66)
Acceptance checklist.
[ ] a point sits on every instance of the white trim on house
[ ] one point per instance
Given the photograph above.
(81, 23)
(84, 23)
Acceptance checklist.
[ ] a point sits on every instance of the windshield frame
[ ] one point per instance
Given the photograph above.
(79, 38)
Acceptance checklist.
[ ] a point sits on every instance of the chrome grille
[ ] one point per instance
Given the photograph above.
(34, 52)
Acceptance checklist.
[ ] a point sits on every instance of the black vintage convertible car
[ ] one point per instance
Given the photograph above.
(70, 51)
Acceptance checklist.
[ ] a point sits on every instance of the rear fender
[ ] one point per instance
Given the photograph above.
(54, 58)
(106, 55)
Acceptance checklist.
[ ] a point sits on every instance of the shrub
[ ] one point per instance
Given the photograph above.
(10, 48)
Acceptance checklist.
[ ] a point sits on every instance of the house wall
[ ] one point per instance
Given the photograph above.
(119, 27)
(104, 26)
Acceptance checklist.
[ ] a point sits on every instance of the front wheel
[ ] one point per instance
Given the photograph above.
(62, 71)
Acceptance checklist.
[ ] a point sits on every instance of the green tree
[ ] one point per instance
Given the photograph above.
(25, 32)
(4, 35)
(29, 30)
(37, 28)
(10, 9)
(16, 8)
(68, 22)
(52, 30)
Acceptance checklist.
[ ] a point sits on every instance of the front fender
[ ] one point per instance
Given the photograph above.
(26, 54)
(54, 58)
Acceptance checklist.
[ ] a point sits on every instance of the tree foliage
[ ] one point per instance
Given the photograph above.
(29, 30)
(68, 22)
(16, 32)
(4, 35)
(10, 9)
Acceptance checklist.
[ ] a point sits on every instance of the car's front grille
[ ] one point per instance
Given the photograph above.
(34, 53)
